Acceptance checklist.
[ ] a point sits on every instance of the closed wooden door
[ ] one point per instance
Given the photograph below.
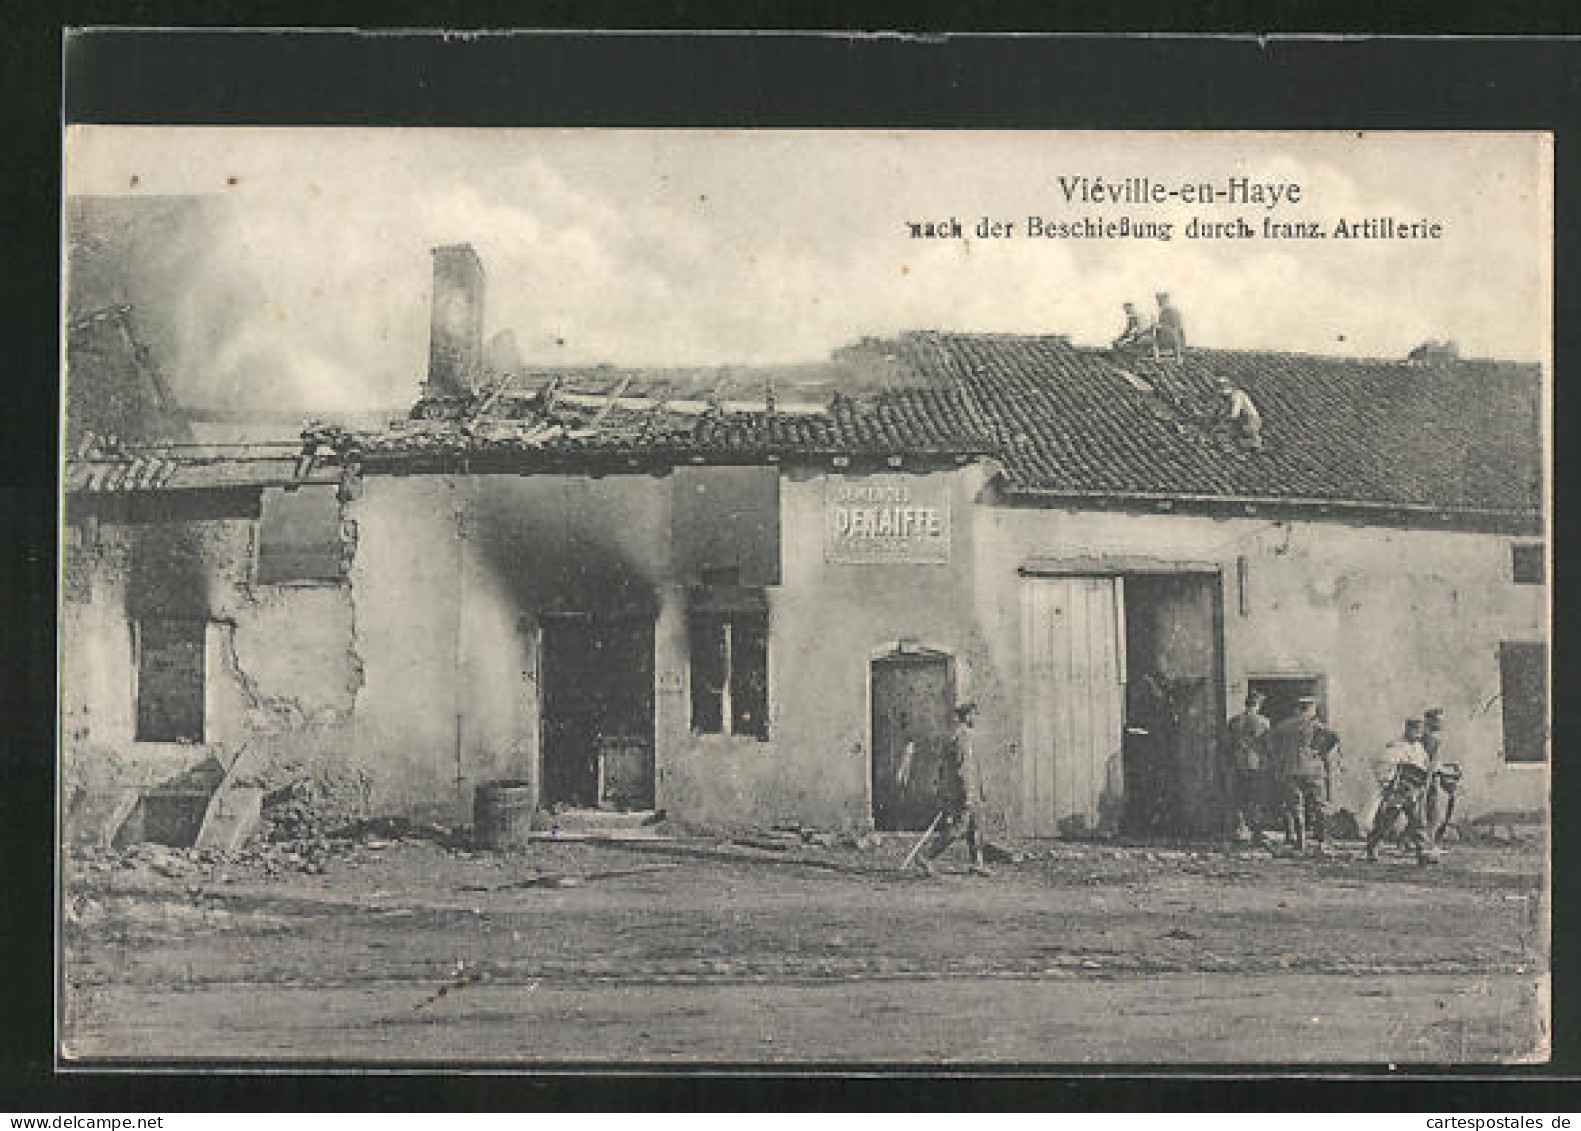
(913, 707)
(1073, 704)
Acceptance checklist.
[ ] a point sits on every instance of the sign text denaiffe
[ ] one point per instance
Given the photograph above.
(886, 519)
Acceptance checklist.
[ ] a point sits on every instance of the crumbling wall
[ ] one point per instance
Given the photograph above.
(281, 670)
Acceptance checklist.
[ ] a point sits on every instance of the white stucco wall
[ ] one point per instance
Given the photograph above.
(1395, 621)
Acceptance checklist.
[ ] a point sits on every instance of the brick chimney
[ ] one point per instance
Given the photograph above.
(455, 337)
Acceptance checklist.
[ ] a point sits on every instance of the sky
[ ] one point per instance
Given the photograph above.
(300, 279)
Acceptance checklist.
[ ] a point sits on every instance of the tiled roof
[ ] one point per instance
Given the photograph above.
(1068, 420)
(1456, 438)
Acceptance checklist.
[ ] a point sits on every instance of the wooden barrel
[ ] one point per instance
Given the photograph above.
(501, 814)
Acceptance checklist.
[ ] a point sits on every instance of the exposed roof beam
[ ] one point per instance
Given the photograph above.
(609, 403)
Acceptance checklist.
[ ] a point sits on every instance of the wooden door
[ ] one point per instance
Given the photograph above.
(1073, 715)
(913, 706)
(1183, 611)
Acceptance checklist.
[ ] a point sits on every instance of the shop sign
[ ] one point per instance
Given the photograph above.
(886, 519)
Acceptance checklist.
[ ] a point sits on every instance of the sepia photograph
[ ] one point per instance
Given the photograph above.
(537, 597)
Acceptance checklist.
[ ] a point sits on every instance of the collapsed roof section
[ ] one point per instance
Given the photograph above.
(106, 466)
(551, 417)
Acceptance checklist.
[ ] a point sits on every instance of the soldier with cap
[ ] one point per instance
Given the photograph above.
(1169, 333)
(1403, 792)
(1135, 333)
(960, 795)
(1240, 414)
(1245, 733)
(1300, 748)
(1443, 778)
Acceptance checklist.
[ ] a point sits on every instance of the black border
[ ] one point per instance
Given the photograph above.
(789, 80)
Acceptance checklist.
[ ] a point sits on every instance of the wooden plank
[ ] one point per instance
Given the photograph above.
(604, 409)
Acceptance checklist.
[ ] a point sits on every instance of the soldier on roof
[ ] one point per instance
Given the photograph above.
(1136, 333)
(1245, 422)
(1169, 335)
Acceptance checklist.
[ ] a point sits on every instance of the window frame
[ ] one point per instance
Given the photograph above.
(1508, 648)
(1539, 551)
(342, 570)
(138, 650)
(726, 620)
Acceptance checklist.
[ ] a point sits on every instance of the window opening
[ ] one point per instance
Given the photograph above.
(730, 672)
(170, 680)
(1526, 563)
(1523, 684)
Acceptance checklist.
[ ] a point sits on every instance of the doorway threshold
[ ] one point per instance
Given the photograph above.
(601, 824)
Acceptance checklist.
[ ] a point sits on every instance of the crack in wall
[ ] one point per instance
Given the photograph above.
(280, 712)
(358, 677)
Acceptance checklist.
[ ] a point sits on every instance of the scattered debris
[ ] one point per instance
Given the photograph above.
(570, 880)
(1135, 382)
(461, 978)
(772, 841)
(233, 815)
(999, 854)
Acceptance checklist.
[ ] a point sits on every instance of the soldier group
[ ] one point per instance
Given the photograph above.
(1164, 335)
(1288, 767)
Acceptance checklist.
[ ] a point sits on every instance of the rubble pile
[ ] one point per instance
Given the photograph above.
(305, 802)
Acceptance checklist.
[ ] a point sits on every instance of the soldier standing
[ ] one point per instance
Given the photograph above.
(1247, 732)
(960, 795)
(1403, 794)
(1169, 333)
(1296, 749)
(1438, 804)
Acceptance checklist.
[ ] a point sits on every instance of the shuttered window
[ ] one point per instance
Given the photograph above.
(1526, 563)
(1524, 686)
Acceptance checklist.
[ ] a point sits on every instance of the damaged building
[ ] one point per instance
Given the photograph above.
(739, 595)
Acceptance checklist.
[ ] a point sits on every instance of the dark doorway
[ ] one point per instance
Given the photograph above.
(1173, 782)
(913, 706)
(597, 712)
(1282, 694)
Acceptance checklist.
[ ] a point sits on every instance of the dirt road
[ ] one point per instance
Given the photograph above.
(1089, 954)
